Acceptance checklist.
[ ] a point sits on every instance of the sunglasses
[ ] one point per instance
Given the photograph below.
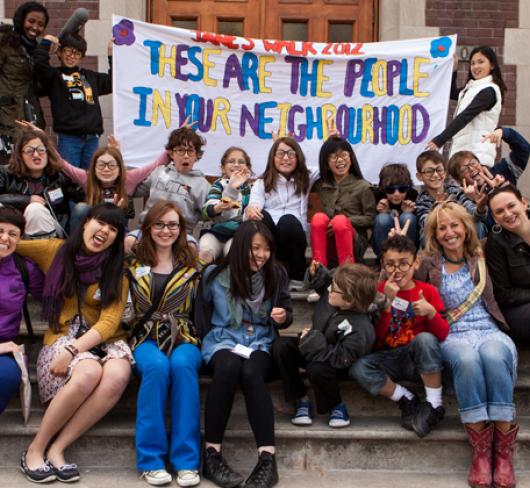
(399, 188)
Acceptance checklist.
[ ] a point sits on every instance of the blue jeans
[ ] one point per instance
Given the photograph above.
(161, 377)
(77, 214)
(383, 222)
(77, 150)
(9, 379)
(483, 380)
(420, 356)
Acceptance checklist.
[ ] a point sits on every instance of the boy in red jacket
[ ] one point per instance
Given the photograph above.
(408, 332)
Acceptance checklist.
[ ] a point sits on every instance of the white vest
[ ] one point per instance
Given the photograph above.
(470, 137)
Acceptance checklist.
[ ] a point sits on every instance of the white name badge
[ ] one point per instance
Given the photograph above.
(142, 271)
(400, 304)
(55, 195)
(97, 295)
(243, 351)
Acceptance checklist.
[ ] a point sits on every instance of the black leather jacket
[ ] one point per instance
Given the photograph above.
(16, 191)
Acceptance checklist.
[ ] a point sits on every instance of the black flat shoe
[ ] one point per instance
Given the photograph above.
(67, 473)
(42, 474)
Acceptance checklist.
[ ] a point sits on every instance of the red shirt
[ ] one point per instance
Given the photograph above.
(397, 328)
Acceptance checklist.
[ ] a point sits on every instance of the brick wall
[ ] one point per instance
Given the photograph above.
(59, 13)
(479, 22)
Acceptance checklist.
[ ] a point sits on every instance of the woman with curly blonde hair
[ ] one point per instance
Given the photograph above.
(480, 356)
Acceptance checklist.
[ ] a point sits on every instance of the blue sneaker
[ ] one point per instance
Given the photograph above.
(303, 414)
(339, 416)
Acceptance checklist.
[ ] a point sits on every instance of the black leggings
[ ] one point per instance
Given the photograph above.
(291, 243)
(228, 370)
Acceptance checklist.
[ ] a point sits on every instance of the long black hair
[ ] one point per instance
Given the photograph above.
(238, 261)
(112, 268)
(496, 74)
(331, 146)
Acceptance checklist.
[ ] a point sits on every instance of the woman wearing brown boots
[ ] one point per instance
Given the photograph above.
(481, 358)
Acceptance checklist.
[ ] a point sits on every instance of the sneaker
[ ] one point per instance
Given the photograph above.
(188, 477)
(339, 416)
(312, 296)
(408, 411)
(302, 415)
(157, 477)
(265, 473)
(67, 473)
(217, 471)
(427, 417)
(297, 285)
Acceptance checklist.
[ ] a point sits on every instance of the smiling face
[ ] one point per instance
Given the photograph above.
(98, 235)
(235, 161)
(450, 234)
(184, 157)
(35, 157)
(402, 264)
(166, 230)
(509, 212)
(339, 164)
(285, 160)
(34, 24)
(260, 252)
(107, 169)
(69, 56)
(432, 175)
(471, 171)
(9, 237)
(480, 66)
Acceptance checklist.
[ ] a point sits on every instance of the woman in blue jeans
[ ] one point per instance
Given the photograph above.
(13, 293)
(481, 358)
(163, 278)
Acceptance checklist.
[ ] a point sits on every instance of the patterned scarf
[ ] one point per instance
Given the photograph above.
(456, 313)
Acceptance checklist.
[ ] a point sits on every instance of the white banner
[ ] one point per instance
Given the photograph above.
(388, 98)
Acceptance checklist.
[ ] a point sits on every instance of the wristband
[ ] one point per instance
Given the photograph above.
(72, 350)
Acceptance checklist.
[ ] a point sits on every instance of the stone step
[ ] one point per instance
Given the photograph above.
(129, 478)
(369, 443)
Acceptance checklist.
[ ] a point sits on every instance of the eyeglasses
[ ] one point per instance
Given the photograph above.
(239, 162)
(29, 150)
(403, 266)
(163, 225)
(70, 51)
(393, 188)
(430, 172)
(333, 158)
(281, 154)
(332, 289)
(106, 164)
(182, 151)
(469, 166)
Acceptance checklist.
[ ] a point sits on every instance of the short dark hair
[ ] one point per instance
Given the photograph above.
(10, 215)
(184, 136)
(23, 10)
(399, 244)
(394, 174)
(509, 188)
(433, 156)
(72, 39)
(358, 284)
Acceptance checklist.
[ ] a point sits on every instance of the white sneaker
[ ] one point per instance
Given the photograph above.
(312, 296)
(157, 477)
(188, 477)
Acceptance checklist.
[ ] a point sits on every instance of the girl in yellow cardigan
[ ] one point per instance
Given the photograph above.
(85, 364)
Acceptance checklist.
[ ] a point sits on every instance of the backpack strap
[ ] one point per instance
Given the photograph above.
(22, 267)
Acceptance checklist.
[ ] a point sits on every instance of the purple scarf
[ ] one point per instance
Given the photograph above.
(88, 271)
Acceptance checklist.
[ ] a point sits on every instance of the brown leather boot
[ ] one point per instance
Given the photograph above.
(480, 474)
(503, 442)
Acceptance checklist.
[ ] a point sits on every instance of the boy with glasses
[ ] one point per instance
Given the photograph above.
(432, 172)
(408, 334)
(74, 96)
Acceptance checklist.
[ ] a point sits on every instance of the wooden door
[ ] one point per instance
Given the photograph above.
(313, 20)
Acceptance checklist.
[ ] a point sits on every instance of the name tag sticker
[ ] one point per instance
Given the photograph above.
(97, 295)
(243, 351)
(142, 271)
(55, 195)
(400, 304)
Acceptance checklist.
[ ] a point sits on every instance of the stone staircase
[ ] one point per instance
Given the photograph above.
(374, 451)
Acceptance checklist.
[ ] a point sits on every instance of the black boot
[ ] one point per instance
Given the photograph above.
(265, 473)
(217, 471)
